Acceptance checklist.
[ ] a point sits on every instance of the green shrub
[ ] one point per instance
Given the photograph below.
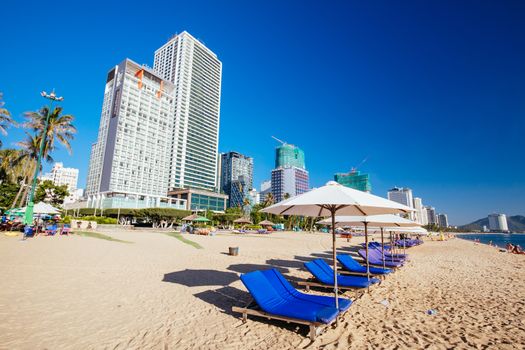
(100, 220)
(253, 227)
(66, 219)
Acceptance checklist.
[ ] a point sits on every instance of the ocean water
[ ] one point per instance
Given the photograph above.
(499, 239)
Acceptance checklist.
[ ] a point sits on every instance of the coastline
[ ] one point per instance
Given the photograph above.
(158, 292)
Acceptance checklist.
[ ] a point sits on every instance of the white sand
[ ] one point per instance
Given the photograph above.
(160, 293)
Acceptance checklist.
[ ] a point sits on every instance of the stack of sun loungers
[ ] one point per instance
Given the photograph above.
(275, 298)
(408, 243)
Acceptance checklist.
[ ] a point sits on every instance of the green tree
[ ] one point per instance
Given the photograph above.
(5, 118)
(29, 149)
(60, 127)
(48, 192)
(8, 192)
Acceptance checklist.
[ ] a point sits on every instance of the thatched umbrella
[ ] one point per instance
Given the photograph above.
(242, 220)
(266, 223)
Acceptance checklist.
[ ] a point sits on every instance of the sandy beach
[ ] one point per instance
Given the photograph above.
(161, 293)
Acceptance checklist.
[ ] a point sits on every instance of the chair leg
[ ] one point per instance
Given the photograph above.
(244, 317)
(313, 332)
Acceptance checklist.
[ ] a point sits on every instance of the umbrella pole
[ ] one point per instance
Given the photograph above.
(335, 259)
(383, 248)
(392, 246)
(366, 250)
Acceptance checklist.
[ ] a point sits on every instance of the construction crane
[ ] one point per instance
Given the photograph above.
(354, 169)
(276, 139)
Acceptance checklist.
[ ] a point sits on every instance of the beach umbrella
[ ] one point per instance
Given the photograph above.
(335, 199)
(42, 208)
(242, 220)
(200, 219)
(266, 223)
(379, 221)
(190, 217)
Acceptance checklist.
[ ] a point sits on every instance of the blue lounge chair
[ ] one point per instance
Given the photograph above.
(325, 275)
(377, 254)
(350, 264)
(50, 230)
(277, 299)
(396, 257)
(375, 260)
(388, 253)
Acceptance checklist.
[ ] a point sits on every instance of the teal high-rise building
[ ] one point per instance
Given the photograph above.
(355, 180)
(289, 156)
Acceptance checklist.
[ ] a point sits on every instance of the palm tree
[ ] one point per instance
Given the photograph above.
(5, 119)
(9, 169)
(269, 199)
(28, 156)
(60, 127)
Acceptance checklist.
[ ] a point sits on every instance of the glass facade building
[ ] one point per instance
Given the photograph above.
(355, 180)
(236, 177)
(288, 155)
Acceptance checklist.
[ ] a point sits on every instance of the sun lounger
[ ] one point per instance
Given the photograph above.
(66, 230)
(350, 264)
(388, 256)
(377, 254)
(324, 275)
(388, 253)
(50, 230)
(275, 298)
(374, 260)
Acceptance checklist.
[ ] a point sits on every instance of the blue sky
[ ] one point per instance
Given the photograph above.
(432, 92)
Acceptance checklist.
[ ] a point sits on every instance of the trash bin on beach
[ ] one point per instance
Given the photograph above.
(234, 251)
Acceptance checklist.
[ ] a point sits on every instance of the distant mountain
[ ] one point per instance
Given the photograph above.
(516, 223)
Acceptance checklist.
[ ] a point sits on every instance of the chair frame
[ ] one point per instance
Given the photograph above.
(253, 309)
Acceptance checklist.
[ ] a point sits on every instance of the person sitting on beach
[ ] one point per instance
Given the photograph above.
(510, 248)
(517, 249)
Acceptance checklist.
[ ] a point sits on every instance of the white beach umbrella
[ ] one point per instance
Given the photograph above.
(42, 208)
(395, 222)
(335, 199)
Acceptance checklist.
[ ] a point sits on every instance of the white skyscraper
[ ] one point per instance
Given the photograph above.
(64, 176)
(442, 220)
(196, 74)
(130, 162)
(403, 196)
(420, 213)
(498, 222)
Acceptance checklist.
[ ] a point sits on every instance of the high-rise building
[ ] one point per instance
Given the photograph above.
(290, 177)
(196, 74)
(64, 176)
(130, 162)
(354, 179)
(420, 215)
(159, 132)
(239, 192)
(403, 196)
(431, 215)
(287, 155)
(498, 222)
(443, 220)
(236, 176)
(288, 182)
(266, 188)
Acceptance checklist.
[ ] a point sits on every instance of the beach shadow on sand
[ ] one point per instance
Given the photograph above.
(224, 298)
(199, 278)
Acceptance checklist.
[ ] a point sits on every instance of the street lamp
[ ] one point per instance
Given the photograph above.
(29, 209)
